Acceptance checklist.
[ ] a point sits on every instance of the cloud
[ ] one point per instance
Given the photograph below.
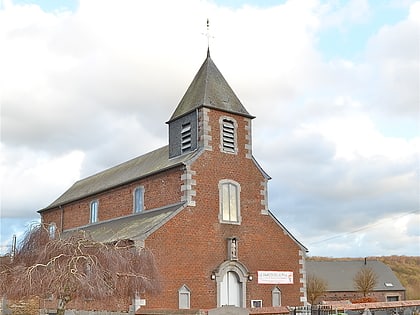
(394, 54)
(388, 234)
(86, 90)
(29, 178)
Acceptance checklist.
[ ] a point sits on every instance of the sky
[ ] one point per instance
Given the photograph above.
(334, 86)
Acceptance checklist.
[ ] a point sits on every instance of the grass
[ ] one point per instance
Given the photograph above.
(407, 270)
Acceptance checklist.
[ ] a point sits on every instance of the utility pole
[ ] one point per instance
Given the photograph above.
(13, 253)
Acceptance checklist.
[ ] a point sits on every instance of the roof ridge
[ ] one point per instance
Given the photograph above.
(139, 167)
(124, 162)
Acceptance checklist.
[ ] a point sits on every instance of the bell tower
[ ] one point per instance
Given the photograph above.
(187, 125)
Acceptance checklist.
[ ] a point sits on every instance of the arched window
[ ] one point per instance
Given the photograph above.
(184, 295)
(138, 199)
(229, 198)
(52, 228)
(93, 211)
(276, 296)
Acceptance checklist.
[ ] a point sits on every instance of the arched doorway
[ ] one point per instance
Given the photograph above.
(231, 278)
(230, 289)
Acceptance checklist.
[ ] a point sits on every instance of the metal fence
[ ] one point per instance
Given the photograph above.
(329, 310)
(312, 310)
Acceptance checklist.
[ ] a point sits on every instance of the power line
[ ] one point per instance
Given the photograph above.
(366, 227)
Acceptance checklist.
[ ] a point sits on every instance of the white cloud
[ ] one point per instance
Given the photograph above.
(394, 54)
(355, 136)
(388, 233)
(85, 90)
(30, 178)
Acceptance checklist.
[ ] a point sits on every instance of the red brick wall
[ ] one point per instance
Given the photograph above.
(197, 244)
(160, 190)
(193, 244)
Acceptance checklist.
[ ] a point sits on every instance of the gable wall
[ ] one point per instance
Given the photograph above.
(193, 244)
(159, 190)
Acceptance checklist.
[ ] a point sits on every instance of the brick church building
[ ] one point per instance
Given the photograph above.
(200, 205)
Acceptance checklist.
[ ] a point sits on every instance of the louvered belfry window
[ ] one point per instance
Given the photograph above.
(186, 137)
(228, 134)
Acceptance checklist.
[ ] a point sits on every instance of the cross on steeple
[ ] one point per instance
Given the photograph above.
(207, 34)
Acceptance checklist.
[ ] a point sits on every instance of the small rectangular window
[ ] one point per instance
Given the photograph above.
(276, 297)
(52, 228)
(138, 199)
(93, 211)
(184, 294)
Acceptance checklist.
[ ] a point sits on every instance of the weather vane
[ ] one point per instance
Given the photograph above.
(207, 34)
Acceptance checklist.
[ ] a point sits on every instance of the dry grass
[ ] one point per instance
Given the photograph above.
(406, 268)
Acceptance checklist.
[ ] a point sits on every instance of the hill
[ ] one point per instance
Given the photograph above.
(406, 268)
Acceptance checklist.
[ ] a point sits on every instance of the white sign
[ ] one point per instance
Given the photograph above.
(275, 277)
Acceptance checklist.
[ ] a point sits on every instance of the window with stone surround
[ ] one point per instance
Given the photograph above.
(276, 296)
(52, 229)
(229, 199)
(184, 294)
(93, 217)
(138, 199)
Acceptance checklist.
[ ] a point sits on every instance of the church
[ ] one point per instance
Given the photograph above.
(200, 204)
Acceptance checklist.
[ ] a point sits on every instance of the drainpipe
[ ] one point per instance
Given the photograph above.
(61, 218)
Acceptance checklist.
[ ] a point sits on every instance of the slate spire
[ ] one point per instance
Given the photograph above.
(209, 89)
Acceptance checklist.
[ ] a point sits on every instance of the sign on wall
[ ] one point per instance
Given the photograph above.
(275, 277)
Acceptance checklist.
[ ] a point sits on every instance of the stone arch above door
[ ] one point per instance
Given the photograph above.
(242, 274)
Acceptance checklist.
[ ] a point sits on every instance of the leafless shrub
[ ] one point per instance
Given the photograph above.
(315, 288)
(76, 266)
(365, 280)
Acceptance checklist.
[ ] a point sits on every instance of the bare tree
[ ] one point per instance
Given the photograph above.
(365, 280)
(74, 267)
(315, 288)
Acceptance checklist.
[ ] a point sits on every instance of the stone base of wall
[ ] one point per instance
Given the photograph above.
(226, 310)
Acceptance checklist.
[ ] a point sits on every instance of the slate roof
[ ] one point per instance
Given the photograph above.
(133, 227)
(142, 166)
(340, 274)
(210, 89)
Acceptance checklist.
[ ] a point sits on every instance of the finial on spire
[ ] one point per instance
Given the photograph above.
(207, 34)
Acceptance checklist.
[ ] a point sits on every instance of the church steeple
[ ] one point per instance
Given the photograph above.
(209, 89)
